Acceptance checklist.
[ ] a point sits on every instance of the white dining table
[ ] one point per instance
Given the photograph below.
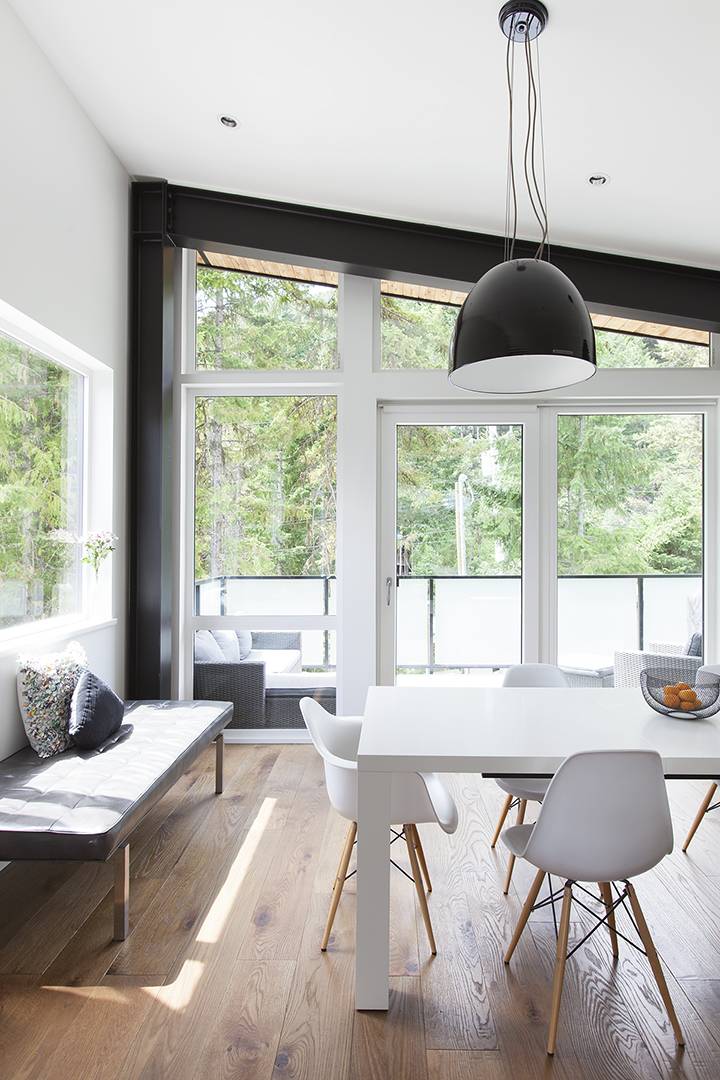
(496, 731)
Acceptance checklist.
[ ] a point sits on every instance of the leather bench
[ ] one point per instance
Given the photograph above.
(84, 805)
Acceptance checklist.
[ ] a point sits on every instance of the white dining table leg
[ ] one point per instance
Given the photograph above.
(372, 935)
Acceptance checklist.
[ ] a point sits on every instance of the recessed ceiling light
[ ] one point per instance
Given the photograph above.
(598, 179)
(228, 121)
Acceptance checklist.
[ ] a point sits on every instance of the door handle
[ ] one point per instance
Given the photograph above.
(388, 590)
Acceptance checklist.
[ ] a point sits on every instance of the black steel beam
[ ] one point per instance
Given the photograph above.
(364, 245)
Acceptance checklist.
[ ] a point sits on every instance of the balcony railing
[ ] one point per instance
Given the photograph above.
(453, 622)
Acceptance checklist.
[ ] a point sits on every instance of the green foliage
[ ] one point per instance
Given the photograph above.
(265, 486)
(40, 421)
(615, 350)
(415, 333)
(249, 321)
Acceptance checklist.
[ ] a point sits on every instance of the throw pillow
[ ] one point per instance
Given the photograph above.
(96, 712)
(207, 650)
(45, 688)
(244, 643)
(229, 644)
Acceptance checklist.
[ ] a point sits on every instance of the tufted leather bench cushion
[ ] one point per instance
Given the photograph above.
(85, 804)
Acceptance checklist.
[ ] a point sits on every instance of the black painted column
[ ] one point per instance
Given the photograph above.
(152, 348)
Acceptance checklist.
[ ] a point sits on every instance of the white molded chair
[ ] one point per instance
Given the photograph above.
(415, 798)
(520, 790)
(605, 818)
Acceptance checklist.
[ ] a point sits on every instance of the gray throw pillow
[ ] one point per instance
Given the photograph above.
(207, 650)
(244, 643)
(96, 712)
(229, 645)
(45, 687)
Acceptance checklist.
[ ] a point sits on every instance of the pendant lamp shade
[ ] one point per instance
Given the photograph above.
(523, 328)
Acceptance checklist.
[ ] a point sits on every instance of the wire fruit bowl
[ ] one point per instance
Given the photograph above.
(678, 697)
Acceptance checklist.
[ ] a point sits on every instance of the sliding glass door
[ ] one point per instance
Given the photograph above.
(453, 522)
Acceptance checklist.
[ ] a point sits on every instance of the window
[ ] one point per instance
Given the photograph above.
(628, 343)
(41, 429)
(629, 533)
(265, 505)
(253, 314)
(416, 323)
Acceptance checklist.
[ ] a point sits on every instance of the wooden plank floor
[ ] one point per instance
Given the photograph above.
(222, 977)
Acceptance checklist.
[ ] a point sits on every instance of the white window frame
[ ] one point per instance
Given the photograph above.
(365, 391)
(97, 482)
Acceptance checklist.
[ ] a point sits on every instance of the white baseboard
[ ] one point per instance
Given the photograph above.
(254, 735)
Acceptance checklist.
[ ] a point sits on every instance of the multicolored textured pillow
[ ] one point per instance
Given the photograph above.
(45, 688)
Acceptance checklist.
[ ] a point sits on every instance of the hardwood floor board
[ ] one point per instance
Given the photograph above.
(25, 887)
(704, 996)
(241, 1038)
(316, 1038)
(670, 900)
(595, 1020)
(190, 999)
(178, 906)
(632, 976)
(391, 1044)
(276, 926)
(471, 1065)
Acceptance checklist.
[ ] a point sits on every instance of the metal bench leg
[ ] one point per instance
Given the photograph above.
(121, 906)
(219, 746)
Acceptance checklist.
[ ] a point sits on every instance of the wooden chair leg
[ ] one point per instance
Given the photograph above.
(421, 858)
(121, 894)
(655, 964)
(511, 861)
(422, 899)
(607, 900)
(525, 913)
(501, 820)
(339, 883)
(561, 957)
(700, 815)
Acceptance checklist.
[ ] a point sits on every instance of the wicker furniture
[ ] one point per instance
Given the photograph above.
(255, 685)
(628, 665)
(588, 676)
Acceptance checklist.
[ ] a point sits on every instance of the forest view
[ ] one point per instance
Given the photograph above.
(40, 482)
(629, 487)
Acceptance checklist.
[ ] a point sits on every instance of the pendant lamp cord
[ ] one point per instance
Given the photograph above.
(537, 197)
(511, 189)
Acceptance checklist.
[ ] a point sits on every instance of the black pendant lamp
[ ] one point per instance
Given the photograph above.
(524, 327)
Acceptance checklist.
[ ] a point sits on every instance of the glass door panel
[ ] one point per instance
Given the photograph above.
(458, 552)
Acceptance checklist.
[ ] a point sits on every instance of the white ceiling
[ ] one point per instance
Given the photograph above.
(398, 108)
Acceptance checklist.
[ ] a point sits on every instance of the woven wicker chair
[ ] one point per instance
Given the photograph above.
(628, 665)
(243, 683)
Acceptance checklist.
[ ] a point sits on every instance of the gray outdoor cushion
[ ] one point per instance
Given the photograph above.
(694, 646)
(207, 650)
(229, 645)
(84, 804)
(245, 642)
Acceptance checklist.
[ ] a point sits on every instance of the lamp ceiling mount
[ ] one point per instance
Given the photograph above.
(522, 20)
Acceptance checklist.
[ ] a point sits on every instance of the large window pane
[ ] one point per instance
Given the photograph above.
(262, 321)
(415, 333)
(264, 504)
(630, 534)
(459, 542)
(41, 423)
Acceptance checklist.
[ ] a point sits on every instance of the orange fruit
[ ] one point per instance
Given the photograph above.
(687, 695)
(682, 686)
(672, 701)
(688, 706)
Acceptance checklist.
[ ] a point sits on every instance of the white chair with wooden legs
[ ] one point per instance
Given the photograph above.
(416, 798)
(605, 818)
(521, 791)
(705, 807)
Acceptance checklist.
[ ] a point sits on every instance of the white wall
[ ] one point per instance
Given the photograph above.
(64, 262)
